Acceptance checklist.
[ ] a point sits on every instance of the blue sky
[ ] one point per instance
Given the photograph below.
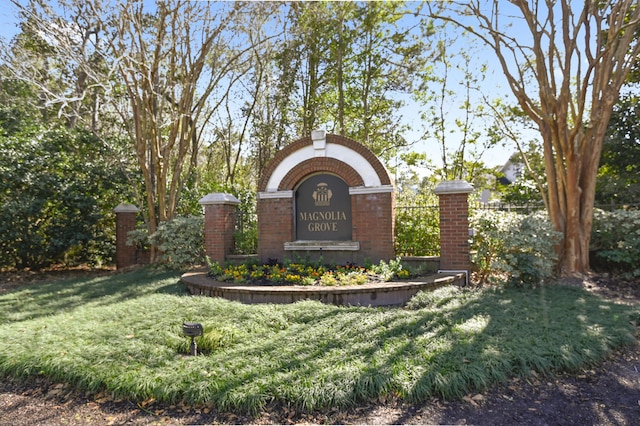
(411, 112)
(8, 26)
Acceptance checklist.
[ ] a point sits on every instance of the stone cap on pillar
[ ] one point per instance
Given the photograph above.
(218, 198)
(453, 187)
(126, 208)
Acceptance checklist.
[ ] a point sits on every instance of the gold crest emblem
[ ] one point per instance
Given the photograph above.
(322, 195)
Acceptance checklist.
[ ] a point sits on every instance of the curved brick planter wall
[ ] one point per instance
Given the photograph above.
(374, 294)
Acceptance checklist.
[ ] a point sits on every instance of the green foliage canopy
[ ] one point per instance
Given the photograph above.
(618, 176)
(55, 191)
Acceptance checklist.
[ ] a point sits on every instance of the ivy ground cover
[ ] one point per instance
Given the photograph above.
(122, 334)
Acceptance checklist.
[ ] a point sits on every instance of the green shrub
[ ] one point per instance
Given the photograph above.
(417, 231)
(139, 237)
(180, 242)
(56, 199)
(387, 271)
(515, 248)
(615, 241)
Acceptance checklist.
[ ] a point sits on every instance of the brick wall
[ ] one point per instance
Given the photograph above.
(219, 224)
(372, 209)
(373, 225)
(275, 227)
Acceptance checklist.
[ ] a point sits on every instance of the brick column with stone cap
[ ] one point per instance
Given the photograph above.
(126, 215)
(454, 225)
(219, 224)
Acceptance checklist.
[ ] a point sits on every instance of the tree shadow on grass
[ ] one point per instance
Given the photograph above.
(523, 333)
(38, 300)
(317, 356)
(355, 355)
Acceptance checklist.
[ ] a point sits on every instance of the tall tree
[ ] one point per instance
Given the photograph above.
(450, 91)
(352, 60)
(249, 101)
(171, 62)
(379, 51)
(48, 54)
(164, 69)
(565, 63)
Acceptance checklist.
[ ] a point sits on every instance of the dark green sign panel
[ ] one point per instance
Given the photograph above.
(323, 209)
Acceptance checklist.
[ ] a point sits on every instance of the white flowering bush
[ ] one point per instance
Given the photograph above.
(513, 248)
(615, 241)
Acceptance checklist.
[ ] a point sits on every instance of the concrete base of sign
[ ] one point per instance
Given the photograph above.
(322, 245)
(373, 294)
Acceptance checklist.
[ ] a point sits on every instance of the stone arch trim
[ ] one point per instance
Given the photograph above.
(285, 166)
(323, 164)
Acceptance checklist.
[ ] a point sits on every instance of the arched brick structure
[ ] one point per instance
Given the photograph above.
(371, 194)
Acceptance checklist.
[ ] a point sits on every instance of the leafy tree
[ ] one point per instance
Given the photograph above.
(566, 73)
(454, 115)
(54, 192)
(383, 56)
(17, 112)
(618, 176)
(346, 62)
(158, 74)
(170, 63)
(527, 189)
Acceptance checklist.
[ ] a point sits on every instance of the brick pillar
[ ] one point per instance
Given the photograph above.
(454, 225)
(219, 225)
(373, 221)
(126, 215)
(275, 224)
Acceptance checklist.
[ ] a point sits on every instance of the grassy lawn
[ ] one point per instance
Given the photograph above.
(123, 334)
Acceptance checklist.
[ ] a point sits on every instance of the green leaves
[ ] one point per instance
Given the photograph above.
(180, 242)
(513, 248)
(620, 162)
(615, 241)
(54, 194)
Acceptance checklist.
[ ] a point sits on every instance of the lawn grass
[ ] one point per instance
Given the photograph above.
(123, 334)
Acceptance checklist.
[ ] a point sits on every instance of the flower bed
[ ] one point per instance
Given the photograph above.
(291, 273)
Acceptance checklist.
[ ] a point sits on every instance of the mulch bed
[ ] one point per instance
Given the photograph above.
(608, 394)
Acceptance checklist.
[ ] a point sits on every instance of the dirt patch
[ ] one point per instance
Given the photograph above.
(608, 394)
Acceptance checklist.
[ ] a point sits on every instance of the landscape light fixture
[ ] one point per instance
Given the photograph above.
(193, 330)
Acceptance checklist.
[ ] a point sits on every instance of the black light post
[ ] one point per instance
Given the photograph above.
(193, 330)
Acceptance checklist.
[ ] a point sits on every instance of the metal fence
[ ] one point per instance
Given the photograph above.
(246, 225)
(246, 233)
(421, 210)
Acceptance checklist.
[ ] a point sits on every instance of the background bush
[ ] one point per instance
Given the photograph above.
(56, 199)
(180, 242)
(417, 224)
(246, 235)
(514, 248)
(615, 242)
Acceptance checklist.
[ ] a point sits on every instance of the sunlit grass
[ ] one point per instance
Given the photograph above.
(123, 334)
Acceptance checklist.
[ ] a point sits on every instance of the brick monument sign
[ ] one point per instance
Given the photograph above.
(326, 196)
(322, 197)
